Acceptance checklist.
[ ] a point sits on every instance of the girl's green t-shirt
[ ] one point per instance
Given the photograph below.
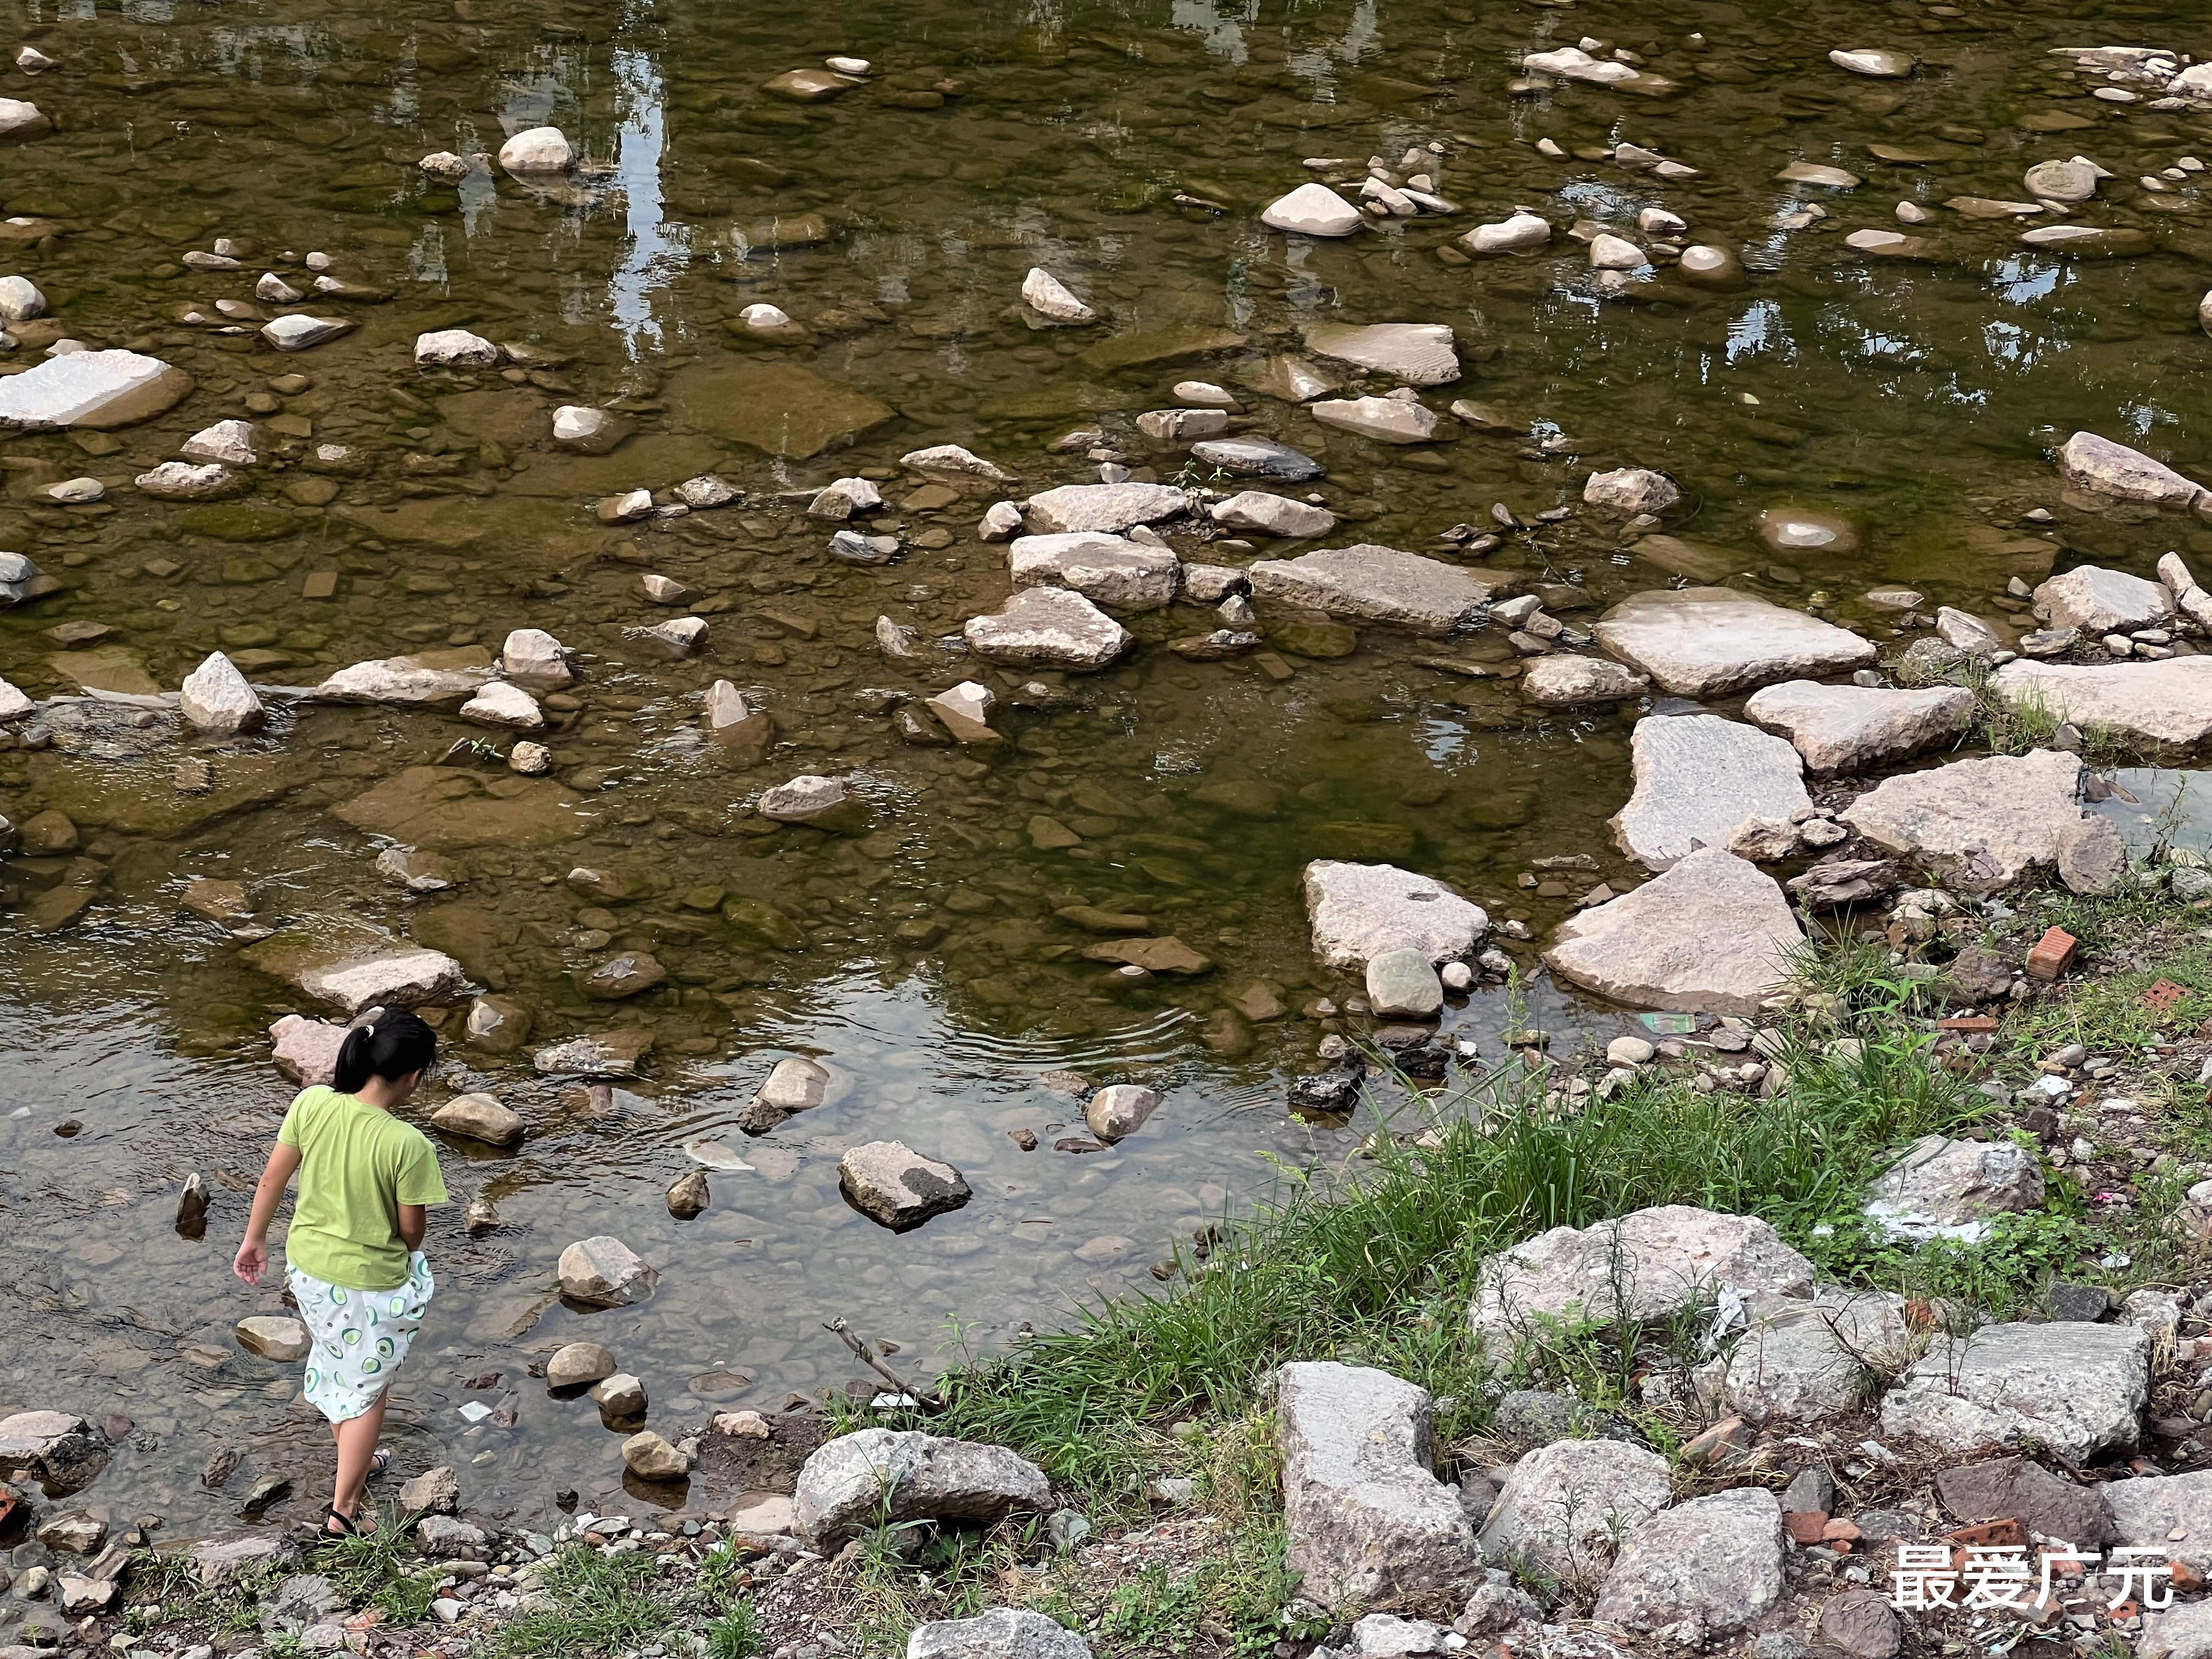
(358, 1164)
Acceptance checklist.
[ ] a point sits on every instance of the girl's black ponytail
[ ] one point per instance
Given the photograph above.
(393, 1045)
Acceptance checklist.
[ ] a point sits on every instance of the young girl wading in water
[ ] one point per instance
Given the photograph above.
(354, 1251)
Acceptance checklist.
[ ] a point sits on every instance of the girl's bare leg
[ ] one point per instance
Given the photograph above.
(356, 1440)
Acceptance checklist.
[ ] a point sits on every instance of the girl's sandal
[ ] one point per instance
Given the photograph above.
(345, 1527)
(379, 1461)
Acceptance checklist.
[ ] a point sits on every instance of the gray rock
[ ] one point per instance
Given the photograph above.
(274, 1337)
(1108, 570)
(1709, 642)
(219, 1561)
(1515, 233)
(578, 1363)
(2148, 1511)
(897, 1186)
(2043, 1502)
(353, 966)
(1662, 1260)
(218, 700)
(620, 1398)
(1358, 911)
(536, 151)
(183, 481)
(2076, 1390)
(1630, 490)
(602, 1272)
(533, 660)
(1248, 456)
(1949, 1188)
(2100, 601)
(1963, 631)
(1563, 681)
(1366, 1517)
(1369, 583)
(433, 1492)
(954, 459)
(1852, 728)
(1109, 508)
(1119, 1109)
(479, 1117)
(443, 1538)
(1385, 420)
(2098, 466)
(879, 1477)
(1402, 984)
(1860, 1624)
(809, 799)
(650, 1457)
(1536, 1417)
(2181, 1631)
(1418, 354)
(1386, 1635)
(433, 677)
(1811, 1490)
(2080, 1304)
(73, 1533)
(93, 389)
(1699, 777)
(1979, 825)
(1802, 1362)
(2092, 856)
(1714, 934)
(296, 331)
(1716, 1560)
(1001, 1633)
(1312, 209)
(1271, 515)
(793, 1084)
(1567, 1506)
(2168, 701)
(1048, 628)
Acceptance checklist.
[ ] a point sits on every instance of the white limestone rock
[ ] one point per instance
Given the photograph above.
(1630, 490)
(454, 348)
(218, 702)
(1714, 1562)
(184, 481)
(952, 458)
(2168, 701)
(1714, 934)
(1359, 911)
(602, 1272)
(2075, 1388)
(895, 1187)
(1981, 824)
(1047, 628)
(1370, 583)
(2098, 466)
(1385, 420)
(1854, 728)
(297, 332)
(1001, 1633)
(1271, 515)
(1564, 681)
(1418, 354)
(1565, 1505)
(1699, 777)
(1048, 297)
(229, 443)
(1312, 209)
(875, 1477)
(536, 151)
(93, 389)
(533, 660)
(433, 677)
(1515, 233)
(1114, 509)
(1944, 1189)
(1108, 569)
(1646, 1266)
(1365, 1518)
(1709, 641)
(1802, 1362)
(506, 705)
(2100, 601)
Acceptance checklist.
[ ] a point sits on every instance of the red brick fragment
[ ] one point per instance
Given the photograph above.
(2053, 954)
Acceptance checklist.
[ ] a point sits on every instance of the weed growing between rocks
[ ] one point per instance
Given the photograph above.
(598, 1604)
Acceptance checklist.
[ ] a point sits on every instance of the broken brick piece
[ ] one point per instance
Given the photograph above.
(1805, 1525)
(2053, 954)
(1839, 1531)
(1968, 1023)
(2007, 1533)
(2162, 996)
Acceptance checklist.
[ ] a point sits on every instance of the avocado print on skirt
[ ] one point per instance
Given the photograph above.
(360, 1336)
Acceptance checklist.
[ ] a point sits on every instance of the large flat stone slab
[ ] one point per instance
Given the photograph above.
(446, 810)
(1645, 1266)
(1420, 354)
(1716, 1561)
(877, 1476)
(1697, 778)
(428, 677)
(1047, 628)
(2098, 466)
(2099, 601)
(1806, 1362)
(1980, 824)
(1111, 509)
(1369, 583)
(95, 389)
(2075, 1388)
(1712, 935)
(351, 965)
(1366, 1517)
(1359, 911)
(2168, 701)
(1108, 570)
(1852, 728)
(2148, 1511)
(1709, 642)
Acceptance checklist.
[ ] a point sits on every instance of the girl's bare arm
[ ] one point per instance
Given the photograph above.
(252, 1258)
(414, 1218)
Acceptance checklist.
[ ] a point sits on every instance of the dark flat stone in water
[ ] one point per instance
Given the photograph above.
(442, 809)
(773, 406)
(1170, 342)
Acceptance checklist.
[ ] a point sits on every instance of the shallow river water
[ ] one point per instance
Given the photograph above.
(1129, 151)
